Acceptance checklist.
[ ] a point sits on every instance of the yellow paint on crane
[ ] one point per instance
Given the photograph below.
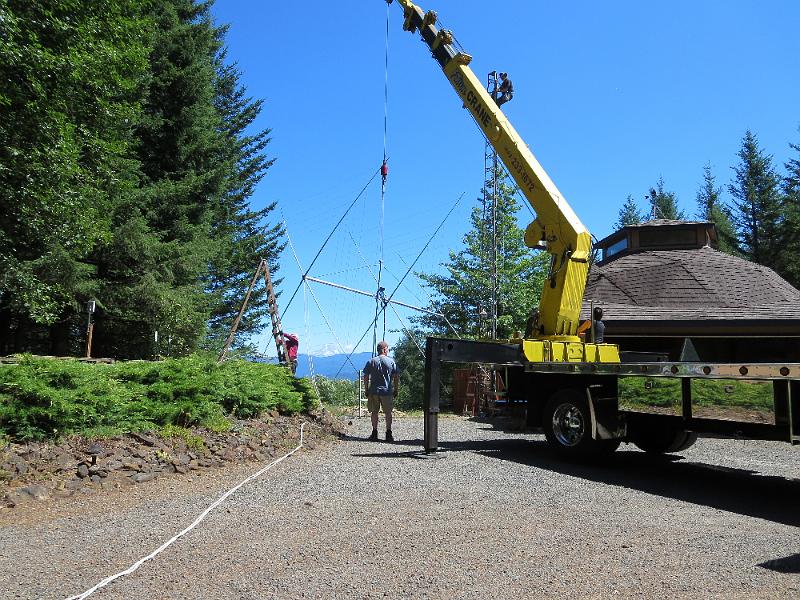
(557, 228)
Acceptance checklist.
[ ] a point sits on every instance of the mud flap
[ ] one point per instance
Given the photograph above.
(607, 422)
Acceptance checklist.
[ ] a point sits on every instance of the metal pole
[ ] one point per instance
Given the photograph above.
(359, 392)
(686, 398)
(431, 399)
(494, 248)
(371, 295)
(90, 308)
(377, 305)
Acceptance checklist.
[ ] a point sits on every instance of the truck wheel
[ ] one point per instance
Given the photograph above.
(567, 426)
(665, 441)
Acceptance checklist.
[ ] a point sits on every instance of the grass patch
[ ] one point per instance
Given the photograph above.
(664, 392)
(219, 424)
(193, 441)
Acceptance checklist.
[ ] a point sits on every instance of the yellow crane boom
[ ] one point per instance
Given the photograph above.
(556, 227)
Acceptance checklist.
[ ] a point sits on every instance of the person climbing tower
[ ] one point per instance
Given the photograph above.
(292, 343)
(505, 92)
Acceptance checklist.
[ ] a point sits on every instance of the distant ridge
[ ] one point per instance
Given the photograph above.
(328, 366)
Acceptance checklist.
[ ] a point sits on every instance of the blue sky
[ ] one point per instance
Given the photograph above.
(609, 97)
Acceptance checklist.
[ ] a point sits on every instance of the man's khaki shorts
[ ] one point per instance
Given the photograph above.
(375, 402)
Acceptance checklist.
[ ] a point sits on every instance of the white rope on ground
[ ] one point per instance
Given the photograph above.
(194, 524)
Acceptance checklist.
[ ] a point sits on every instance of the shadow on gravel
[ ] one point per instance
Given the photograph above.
(408, 454)
(738, 491)
(389, 450)
(789, 564)
(398, 441)
(734, 490)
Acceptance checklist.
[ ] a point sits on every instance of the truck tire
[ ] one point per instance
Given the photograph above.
(665, 441)
(567, 426)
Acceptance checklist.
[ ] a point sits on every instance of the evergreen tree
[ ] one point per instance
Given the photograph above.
(242, 236)
(710, 208)
(466, 289)
(664, 204)
(412, 370)
(757, 204)
(790, 255)
(629, 214)
(125, 172)
(71, 75)
(153, 272)
(791, 183)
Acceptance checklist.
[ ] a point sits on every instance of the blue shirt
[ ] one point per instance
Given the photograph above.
(380, 369)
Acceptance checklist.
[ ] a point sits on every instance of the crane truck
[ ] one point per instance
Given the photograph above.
(571, 387)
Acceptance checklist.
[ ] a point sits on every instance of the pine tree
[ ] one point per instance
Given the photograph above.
(791, 182)
(153, 271)
(72, 74)
(412, 370)
(629, 214)
(710, 208)
(466, 289)
(790, 255)
(242, 236)
(125, 171)
(757, 203)
(664, 204)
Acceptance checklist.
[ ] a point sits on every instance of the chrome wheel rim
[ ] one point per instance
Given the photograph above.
(568, 425)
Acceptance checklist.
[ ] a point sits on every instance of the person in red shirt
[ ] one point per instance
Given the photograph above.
(292, 343)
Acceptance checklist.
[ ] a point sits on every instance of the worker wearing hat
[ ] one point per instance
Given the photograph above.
(506, 90)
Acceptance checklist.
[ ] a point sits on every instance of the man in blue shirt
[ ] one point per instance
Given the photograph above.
(381, 379)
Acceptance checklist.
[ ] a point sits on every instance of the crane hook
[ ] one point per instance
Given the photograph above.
(384, 171)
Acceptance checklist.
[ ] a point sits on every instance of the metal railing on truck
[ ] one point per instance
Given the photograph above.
(785, 378)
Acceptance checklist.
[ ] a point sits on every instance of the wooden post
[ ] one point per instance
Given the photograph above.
(89, 331)
(275, 316)
(229, 341)
(90, 308)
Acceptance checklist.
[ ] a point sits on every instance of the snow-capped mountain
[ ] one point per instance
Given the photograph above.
(329, 366)
(332, 349)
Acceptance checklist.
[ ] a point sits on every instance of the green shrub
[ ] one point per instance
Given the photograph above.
(42, 398)
(336, 392)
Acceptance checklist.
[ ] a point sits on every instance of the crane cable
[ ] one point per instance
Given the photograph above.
(386, 89)
(402, 279)
(319, 306)
(327, 239)
(379, 296)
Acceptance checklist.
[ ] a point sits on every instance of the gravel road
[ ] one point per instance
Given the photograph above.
(494, 515)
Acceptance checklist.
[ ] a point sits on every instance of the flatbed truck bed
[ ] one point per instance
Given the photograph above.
(577, 403)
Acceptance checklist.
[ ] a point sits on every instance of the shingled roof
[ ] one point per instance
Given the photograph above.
(694, 291)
